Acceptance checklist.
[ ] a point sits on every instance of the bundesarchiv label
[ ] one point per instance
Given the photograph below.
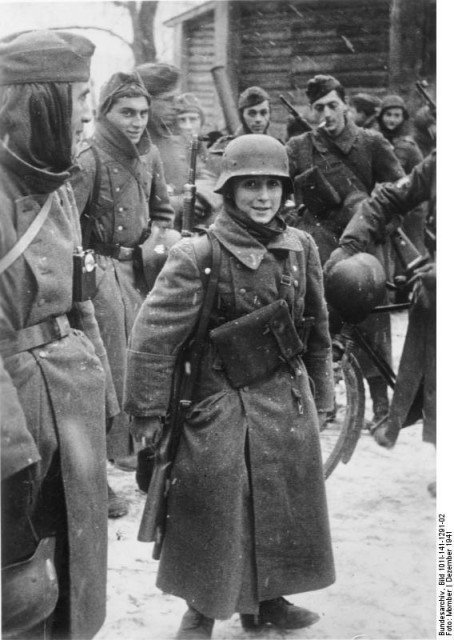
(444, 578)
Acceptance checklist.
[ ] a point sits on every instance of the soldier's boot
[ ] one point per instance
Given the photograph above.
(379, 395)
(195, 626)
(281, 614)
(117, 507)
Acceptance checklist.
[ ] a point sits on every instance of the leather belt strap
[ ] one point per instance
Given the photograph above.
(36, 336)
(23, 243)
(114, 251)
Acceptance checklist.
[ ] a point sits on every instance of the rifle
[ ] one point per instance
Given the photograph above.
(421, 87)
(299, 118)
(189, 191)
(152, 525)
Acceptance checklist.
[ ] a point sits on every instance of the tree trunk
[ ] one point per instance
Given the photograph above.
(142, 18)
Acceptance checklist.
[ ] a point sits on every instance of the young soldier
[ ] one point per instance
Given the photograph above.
(161, 81)
(255, 116)
(333, 166)
(247, 516)
(54, 493)
(120, 192)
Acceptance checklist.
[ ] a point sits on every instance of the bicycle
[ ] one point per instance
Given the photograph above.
(340, 436)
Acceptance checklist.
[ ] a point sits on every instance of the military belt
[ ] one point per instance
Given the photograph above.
(116, 251)
(37, 335)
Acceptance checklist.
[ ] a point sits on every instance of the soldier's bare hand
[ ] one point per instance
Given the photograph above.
(147, 430)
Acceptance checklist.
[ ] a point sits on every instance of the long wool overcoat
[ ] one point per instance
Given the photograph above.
(61, 387)
(247, 518)
(417, 368)
(132, 191)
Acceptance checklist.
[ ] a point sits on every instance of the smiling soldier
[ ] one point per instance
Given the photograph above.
(120, 191)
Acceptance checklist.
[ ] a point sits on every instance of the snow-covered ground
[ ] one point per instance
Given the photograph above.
(383, 529)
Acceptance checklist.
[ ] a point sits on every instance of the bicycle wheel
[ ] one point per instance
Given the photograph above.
(341, 433)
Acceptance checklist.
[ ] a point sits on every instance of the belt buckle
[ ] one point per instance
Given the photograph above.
(125, 253)
(286, 280)
(62, 325)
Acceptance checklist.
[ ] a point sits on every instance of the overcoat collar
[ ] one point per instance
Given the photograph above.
(247, 249)
(109, 138)
(344, 141)
(35, 180)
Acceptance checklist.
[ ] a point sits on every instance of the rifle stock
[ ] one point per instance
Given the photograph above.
(407, 253)
(152, 525)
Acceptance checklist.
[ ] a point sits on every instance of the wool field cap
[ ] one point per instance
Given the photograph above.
(118, 86)
(320, 85)
(365, 102)
(251, 97)
(158, 77)
(188, 103)
(45, 56)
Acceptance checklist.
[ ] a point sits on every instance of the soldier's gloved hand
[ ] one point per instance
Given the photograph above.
(428, 274)
(341, 253)
(147, 430)
(202, 209)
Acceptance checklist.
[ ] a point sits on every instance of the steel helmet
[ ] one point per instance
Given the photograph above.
(353, 287)
(393, 102)
(254, 154)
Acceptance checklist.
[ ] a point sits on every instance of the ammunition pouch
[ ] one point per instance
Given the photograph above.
(29, 590)
(254, 346)
(317, 194)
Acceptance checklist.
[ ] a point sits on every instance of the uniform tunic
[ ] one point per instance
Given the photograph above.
(247, 518)
(364, 149)
(132, 190)
(372, 160)
(61, 387)
(418, 362)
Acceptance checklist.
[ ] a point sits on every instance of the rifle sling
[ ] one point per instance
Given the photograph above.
(89, 210)
(202, 326)
(24, 241)
(346, 160)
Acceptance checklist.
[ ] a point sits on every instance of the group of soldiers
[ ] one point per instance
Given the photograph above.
(69, 203)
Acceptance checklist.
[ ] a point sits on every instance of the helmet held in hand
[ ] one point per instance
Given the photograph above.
(353, 287)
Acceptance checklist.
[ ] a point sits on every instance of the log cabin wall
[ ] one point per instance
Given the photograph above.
(279, 45)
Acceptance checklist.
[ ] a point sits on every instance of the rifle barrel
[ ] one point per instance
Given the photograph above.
(291, 109)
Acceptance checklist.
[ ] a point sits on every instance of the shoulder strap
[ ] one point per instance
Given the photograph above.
(23, 242)
(196, 348)
(347, 161)
(89, 210)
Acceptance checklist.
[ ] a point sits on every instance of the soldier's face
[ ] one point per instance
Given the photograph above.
(392, 118)
(358, 117)
(259, 197)
(329, 111)
(189, 124)
(257, 118)
(130, 116)
(80, 113)
(163, 107)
